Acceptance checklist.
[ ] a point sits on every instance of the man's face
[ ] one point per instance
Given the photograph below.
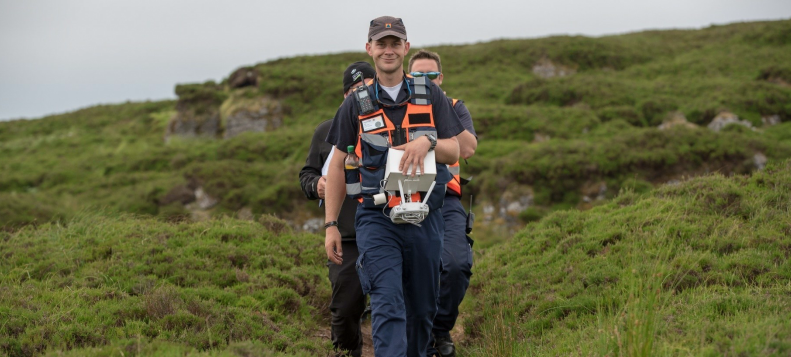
(427, 65)
(355, 86)
(388, 54)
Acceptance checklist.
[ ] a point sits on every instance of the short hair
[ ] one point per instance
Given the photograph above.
(423, 54)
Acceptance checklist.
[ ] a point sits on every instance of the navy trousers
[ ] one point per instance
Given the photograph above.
(399, 266)
(456, 267)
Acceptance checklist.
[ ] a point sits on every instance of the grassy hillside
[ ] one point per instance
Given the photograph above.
(139, 286)
(600, 123)
(102, 254)
(699, 268)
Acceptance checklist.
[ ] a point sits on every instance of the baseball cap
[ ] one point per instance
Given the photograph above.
(386, 26)
(351, 74)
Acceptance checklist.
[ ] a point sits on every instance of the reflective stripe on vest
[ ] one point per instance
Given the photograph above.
(353, 189)
(454, 185)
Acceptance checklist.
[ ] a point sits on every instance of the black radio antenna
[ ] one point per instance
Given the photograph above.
(359, 75)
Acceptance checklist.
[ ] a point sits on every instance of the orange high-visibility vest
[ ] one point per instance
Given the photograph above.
(454, 186)
(376, 135)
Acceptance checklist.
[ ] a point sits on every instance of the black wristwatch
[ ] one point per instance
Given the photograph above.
(330, 224)
(433, 140)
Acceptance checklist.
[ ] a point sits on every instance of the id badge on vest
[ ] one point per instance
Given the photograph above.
(372, 124)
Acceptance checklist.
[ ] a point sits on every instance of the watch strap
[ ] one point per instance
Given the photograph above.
(330, 224)
(433, 140)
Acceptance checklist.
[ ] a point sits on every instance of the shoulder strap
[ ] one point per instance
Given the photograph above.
(421, 94)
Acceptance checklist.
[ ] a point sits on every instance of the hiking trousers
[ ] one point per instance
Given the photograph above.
(348, 302)
(399, 267)
(456, 268)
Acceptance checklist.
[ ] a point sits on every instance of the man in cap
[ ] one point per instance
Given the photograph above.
(399, 264)
(348, 301)
(457, 245)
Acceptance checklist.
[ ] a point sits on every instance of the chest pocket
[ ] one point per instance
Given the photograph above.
(374, 149)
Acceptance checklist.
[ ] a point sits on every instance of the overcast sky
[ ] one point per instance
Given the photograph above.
(61, 55)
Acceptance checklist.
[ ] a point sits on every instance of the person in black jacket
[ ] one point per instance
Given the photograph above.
(348, 301)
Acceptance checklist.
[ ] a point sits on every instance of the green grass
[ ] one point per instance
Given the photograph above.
(97, 258)
(698, 268)
(96, 285)
(113, 158)
(599, 123)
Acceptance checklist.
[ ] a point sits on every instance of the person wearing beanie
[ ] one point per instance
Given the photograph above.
(348, 301)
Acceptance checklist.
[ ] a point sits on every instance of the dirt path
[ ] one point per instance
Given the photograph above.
(368, 342)
(368, 346)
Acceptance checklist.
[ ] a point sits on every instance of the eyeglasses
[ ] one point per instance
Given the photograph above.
(430, 75)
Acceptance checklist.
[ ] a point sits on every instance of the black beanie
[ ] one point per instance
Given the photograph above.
(351, 74)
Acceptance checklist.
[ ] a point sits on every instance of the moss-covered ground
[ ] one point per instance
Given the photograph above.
(686, 255)
(699, 268)
(131, 285)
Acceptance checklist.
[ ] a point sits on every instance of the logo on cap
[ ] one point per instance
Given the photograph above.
(387, 26)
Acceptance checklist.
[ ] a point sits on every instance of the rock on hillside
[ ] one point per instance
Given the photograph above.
(198, 113)
(212, 111)
(258, 114)
(243, 77)
(545, 68)
(676, 119)
(726, 118)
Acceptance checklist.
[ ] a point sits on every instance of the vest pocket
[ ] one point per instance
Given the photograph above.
(353, 186)
(374, 150)
(371, 180)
